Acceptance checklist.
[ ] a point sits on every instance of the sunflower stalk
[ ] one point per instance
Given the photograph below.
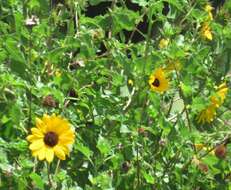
(48, 174)
(57, 167)
(148, 38)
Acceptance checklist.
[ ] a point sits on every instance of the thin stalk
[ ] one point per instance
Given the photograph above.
(29, 60)
(57, 167)
(48, 174)
(148, 38)
(138, 165)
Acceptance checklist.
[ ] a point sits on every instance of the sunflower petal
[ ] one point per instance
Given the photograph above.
(37, 144)
(37, 132)
(42, 153)
(49, 154)
(40, 124)
(59, 152)
(32, 138)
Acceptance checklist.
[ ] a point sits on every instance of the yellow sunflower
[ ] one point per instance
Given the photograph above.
(219, 98)
(208, 114)
(51, 136)
(206, 31)
(158, 81)
(208, 8)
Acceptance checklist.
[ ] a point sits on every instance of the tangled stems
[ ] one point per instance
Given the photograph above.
(224, 141)
(183, 98)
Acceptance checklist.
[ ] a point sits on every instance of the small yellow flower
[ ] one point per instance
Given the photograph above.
(208, 9)
(58, 73)
(158, 81)
(51, 136)
(163, 43)
(201, 147)
(130, 82)
(206, 31)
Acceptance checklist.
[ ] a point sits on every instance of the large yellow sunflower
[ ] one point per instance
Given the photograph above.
(51, 136)
(158, 81)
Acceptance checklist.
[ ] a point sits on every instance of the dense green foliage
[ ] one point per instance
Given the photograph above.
(55, 57)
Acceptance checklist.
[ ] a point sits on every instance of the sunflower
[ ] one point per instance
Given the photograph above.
(51, 136)
(219, 98)
(206, 32)
(208, 8)
(208, 114)
(158, 81)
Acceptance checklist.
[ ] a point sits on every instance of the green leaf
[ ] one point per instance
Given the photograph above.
(123, 19)
(84, 150)
(96, 2)
(124, 129)
(17, 59)
(124, 92)
(38, 181)
(149, 178)
(103, 145)
(141, 3)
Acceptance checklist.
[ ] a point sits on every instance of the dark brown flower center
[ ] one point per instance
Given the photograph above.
(51, 139)
(156, 83)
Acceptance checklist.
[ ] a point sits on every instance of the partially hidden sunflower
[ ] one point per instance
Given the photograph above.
(208, 8)
(51, 136)
(206, 32)
(208, 114)
(221, 92)
(158, 81)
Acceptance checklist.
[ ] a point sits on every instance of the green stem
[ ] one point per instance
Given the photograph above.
(29, 60)
(57, 167)
(48, 174)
